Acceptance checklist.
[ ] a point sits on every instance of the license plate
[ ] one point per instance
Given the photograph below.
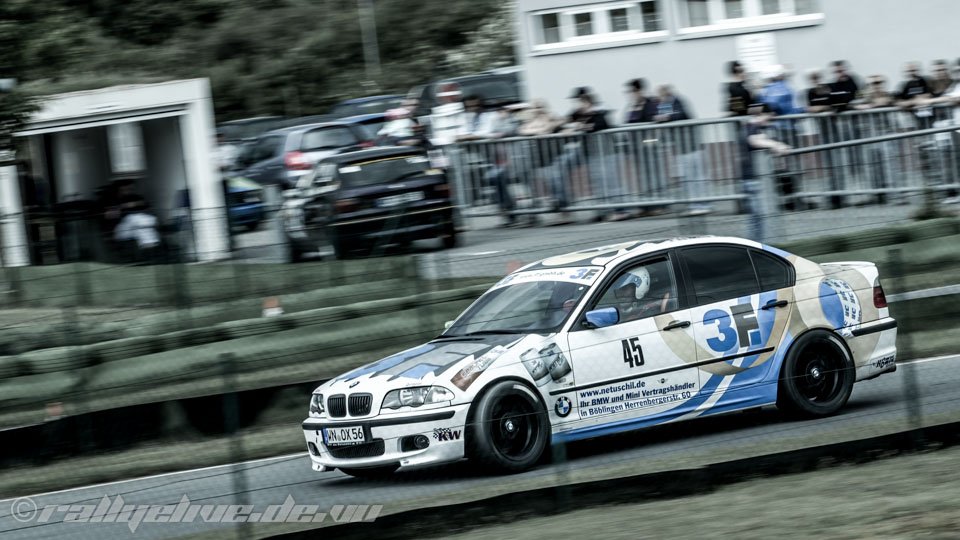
(397, 200)
(343, 436)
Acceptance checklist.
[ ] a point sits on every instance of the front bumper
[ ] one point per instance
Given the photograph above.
(388, 440)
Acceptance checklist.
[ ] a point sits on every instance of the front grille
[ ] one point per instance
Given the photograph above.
(337, 406)
(373, 448)
(359, 404)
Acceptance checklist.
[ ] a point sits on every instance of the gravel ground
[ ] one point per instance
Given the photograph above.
(913, 496)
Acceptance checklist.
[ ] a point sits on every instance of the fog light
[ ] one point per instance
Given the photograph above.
(313, 449)
(421, 442)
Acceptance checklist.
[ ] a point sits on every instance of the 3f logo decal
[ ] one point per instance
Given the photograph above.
(632, 353)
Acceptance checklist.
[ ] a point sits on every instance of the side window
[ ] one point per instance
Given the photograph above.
(774, 273)
(644, 290)
(328, 138)
(720, 273)
(266, 148)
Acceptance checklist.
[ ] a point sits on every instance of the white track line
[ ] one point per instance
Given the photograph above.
(299, 454)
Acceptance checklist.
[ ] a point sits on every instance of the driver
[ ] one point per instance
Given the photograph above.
(634, 297)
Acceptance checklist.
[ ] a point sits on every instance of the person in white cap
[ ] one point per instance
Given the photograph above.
(448, 119)
(777, 94)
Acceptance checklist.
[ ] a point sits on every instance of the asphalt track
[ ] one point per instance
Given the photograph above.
(876, 408)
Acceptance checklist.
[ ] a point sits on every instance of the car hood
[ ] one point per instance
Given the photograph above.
(449, 363)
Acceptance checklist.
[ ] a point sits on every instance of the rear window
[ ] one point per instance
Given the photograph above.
(720, 273)
(328, 139)
(500, 88)
(383, 171)
(773, 273)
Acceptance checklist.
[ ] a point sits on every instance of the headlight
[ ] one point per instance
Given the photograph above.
(316, 405)
(416, 396)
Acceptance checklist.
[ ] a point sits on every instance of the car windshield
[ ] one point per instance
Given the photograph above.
(535, 301)
(383, 171)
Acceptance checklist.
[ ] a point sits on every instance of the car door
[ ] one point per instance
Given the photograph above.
(642, 366)
(738, 325)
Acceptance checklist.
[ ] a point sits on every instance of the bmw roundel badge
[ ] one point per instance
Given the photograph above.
(563, 406)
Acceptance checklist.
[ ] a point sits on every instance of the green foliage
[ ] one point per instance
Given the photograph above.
(290, 57)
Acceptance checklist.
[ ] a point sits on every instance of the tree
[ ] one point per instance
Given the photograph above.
(490, 46)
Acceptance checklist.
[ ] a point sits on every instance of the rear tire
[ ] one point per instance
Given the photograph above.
(510, 430)
(817, 376)
(371, 473)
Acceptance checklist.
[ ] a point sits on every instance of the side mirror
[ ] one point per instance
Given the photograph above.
(602, 318)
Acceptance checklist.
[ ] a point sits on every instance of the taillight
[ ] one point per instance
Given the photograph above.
(879, 299)
(346, 205)
(296, 161)
(366, 144)
(443, 189)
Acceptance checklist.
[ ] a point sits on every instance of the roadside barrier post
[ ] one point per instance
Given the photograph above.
(905, 346)
(231, 424)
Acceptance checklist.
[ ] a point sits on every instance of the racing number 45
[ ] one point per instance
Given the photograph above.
(632, 353)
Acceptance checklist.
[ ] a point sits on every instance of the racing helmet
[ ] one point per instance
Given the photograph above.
(634, 285)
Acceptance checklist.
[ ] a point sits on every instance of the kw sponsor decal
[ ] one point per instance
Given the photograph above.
(632, 395)
(446, 434)
(886, 361)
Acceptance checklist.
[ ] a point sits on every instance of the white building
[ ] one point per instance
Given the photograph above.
(687, 43)
(159, 136)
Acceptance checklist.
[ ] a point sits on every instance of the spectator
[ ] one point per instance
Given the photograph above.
(226, 153)
(739, 97)
(941, 82)
(448, 119)
(777, 94)
(876, 95)
(844, 87)
(477, 121)
(399, 125)
(915, 90)
(819, 98)
(503, 122)
(755, 137)
(138, 230)
(641, 108)
(915, 95)
(669, 107)
(585, 118)
(538, 120)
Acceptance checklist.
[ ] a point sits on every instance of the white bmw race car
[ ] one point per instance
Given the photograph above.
(608, 340)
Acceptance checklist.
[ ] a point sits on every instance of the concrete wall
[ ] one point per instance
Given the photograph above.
(164, 164)
(80, 162)
(875, 36)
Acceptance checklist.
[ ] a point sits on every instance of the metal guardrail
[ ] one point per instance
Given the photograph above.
(689, 162)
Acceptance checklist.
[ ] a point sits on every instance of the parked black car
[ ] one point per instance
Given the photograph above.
(366, 200)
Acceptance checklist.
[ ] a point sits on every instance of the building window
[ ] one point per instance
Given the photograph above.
(583, 23)
(742, 13)
(597, 24)
(619, 21)
(549, 28)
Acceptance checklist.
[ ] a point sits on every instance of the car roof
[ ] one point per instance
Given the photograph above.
(370, 98)
(306, 127)
(614, 254)
(377, 152)
(362, 118)
(244, 121)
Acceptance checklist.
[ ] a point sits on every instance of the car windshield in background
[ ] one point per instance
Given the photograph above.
(367, 107)
(383, 171)
(536, 301)
(497, 90)
(249, 130)
(328, 138)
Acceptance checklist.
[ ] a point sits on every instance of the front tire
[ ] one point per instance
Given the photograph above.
(509, 430)
(371, 473)
(817, 376)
